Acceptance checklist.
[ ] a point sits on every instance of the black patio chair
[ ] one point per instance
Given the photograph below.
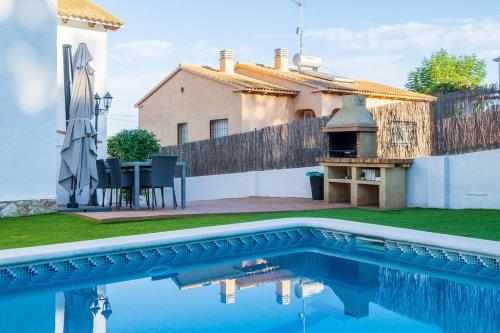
(104, 180)
(161, 175)
(120, 180)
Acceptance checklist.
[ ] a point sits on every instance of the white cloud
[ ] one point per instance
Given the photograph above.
(386, 53)
(443, 33)
(6, 7)
(142, 49)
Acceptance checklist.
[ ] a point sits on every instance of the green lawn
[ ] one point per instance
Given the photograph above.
(60, 228)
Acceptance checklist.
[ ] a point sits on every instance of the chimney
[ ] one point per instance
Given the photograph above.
(281, 59)
(226, 61)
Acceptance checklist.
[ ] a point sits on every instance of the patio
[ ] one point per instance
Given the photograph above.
(213, 207)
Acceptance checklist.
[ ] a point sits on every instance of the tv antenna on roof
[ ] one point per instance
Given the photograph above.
(300, 60)
(300, 28)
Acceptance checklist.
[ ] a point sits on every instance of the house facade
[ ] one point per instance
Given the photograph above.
(32, 94)
(197, 103)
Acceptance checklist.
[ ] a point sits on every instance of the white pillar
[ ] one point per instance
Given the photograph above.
(59, 315)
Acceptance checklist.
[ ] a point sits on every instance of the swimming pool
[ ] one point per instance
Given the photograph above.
(297, 279)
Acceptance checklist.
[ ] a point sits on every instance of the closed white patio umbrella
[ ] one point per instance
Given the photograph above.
(79, 153)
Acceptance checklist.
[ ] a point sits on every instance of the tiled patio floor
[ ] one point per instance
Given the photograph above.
(209, 207)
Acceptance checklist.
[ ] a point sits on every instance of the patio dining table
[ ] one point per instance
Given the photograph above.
(147, 164)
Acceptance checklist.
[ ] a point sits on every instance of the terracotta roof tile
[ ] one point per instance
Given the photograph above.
(242, 82)
(361, 87)
(87, 11)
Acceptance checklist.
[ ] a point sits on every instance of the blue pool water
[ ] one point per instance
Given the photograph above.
(262, 284)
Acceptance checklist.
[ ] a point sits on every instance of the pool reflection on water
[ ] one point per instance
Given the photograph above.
(294, 292)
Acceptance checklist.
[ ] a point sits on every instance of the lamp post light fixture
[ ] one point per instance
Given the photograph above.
(98, 111)
(497, 60)
(106, 306)
(107, 100)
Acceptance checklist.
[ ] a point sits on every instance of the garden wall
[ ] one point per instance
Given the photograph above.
(269, 183)
(460, 181)
(457, 181)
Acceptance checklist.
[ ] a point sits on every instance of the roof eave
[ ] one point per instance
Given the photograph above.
(379, 95)
(268, 92)
(112, 25)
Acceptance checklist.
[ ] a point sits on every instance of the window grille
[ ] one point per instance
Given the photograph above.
(402, 133)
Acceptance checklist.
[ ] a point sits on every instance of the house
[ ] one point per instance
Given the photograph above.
(198, 102)
(32, 94)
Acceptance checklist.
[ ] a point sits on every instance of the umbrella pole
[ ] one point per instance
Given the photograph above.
(93, 196)
(68, 78)
(72, 198)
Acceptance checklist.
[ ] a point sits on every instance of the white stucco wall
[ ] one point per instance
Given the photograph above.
(269, 183)
(96, 38)
(457, 181)
(27, 100)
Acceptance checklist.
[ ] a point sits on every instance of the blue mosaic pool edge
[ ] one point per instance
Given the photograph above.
(246, 243)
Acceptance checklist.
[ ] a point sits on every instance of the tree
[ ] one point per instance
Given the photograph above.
(133, 145)
(443, 73)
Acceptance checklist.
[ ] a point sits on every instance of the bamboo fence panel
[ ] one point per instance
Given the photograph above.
(291, 145)
(455, 123)
(416, 115)
(466, 121)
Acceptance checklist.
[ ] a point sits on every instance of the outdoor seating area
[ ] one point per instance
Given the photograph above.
(127, 179)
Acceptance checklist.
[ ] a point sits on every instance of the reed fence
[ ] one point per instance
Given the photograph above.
(456, 123)
(466, 121)
(291, 145)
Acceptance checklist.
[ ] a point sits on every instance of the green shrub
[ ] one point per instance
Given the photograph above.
(133, 145)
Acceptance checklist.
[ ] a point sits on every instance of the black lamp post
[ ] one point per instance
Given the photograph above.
(107, 99)
(98, 111)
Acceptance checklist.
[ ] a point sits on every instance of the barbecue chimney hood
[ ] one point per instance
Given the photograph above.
(353, 116)
(352, 130)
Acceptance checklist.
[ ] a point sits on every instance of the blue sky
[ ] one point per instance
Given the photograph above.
(375, 40)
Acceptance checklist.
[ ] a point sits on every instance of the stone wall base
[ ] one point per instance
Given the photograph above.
(27, 207)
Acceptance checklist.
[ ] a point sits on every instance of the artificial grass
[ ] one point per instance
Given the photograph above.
(60, 228)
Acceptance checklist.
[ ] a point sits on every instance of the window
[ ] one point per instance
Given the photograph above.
(218, 128)
(182, 133)
(402, 133)
(308, 114)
